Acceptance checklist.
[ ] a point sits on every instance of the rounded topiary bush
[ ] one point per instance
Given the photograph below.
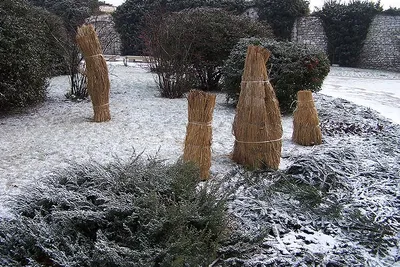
(292, 67)
(24, 56)
(139, 213)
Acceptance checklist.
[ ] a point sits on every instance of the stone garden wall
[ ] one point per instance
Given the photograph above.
(381, 48)
(108, 37)
(309, 31)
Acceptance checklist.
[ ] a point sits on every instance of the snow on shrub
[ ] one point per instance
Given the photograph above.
(292, 68)
(141, 213)
(336, 206)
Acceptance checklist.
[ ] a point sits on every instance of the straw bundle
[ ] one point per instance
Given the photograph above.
(257, 126)
(306, 130)
(96, 71)
(199, 131)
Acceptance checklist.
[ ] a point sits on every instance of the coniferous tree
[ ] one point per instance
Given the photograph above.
(281, 14)
(346, 26)
(130, 17)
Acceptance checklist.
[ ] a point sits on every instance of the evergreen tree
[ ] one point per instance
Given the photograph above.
(346, 26)
(281, 14)
(130, 17)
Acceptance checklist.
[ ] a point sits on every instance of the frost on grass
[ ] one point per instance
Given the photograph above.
(336, 206)
(140, 213)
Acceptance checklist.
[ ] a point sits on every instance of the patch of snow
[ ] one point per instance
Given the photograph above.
(316, 242)
(378, 90)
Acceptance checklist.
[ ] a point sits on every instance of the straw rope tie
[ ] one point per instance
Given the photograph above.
(260, 142)
(299, 102)
(99, 106)
(255, 82)
(95, 55)
(201, 123)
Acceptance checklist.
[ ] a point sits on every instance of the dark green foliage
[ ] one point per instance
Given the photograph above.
(281, 14)
(346, 26)
(130, 17)
(57, 37)
(129, 21)
(292, 67)
(73, 14)
(24, 54)
(392, 11)
(141, 213)
(189, 47)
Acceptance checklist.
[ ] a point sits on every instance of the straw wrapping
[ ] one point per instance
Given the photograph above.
(257, 125)
(306, 126)
(199, 131)
(98, 82)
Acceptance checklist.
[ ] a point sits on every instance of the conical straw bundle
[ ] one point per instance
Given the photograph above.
(306, 129)
(96, 71)
(199, 131)
(257, 126)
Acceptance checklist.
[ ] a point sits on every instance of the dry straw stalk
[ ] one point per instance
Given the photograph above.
(257, 126)
(96, 71)
(199, 131)
(306, 129)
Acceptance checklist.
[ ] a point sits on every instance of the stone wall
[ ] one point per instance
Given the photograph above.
(109, 38)
(382, 46)
(310, 32)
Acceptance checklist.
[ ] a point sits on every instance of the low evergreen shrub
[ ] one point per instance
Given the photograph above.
(292, 67)
(141, 213)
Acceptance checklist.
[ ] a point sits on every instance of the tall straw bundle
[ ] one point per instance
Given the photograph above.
(96, 71)
(257, 126)
(199, 132)
(306, 130)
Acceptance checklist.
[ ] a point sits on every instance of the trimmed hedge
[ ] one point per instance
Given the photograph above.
(292, 67)
(24, 56)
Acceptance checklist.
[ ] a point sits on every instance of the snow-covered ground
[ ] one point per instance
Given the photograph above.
(59, 132)
(378, 90)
